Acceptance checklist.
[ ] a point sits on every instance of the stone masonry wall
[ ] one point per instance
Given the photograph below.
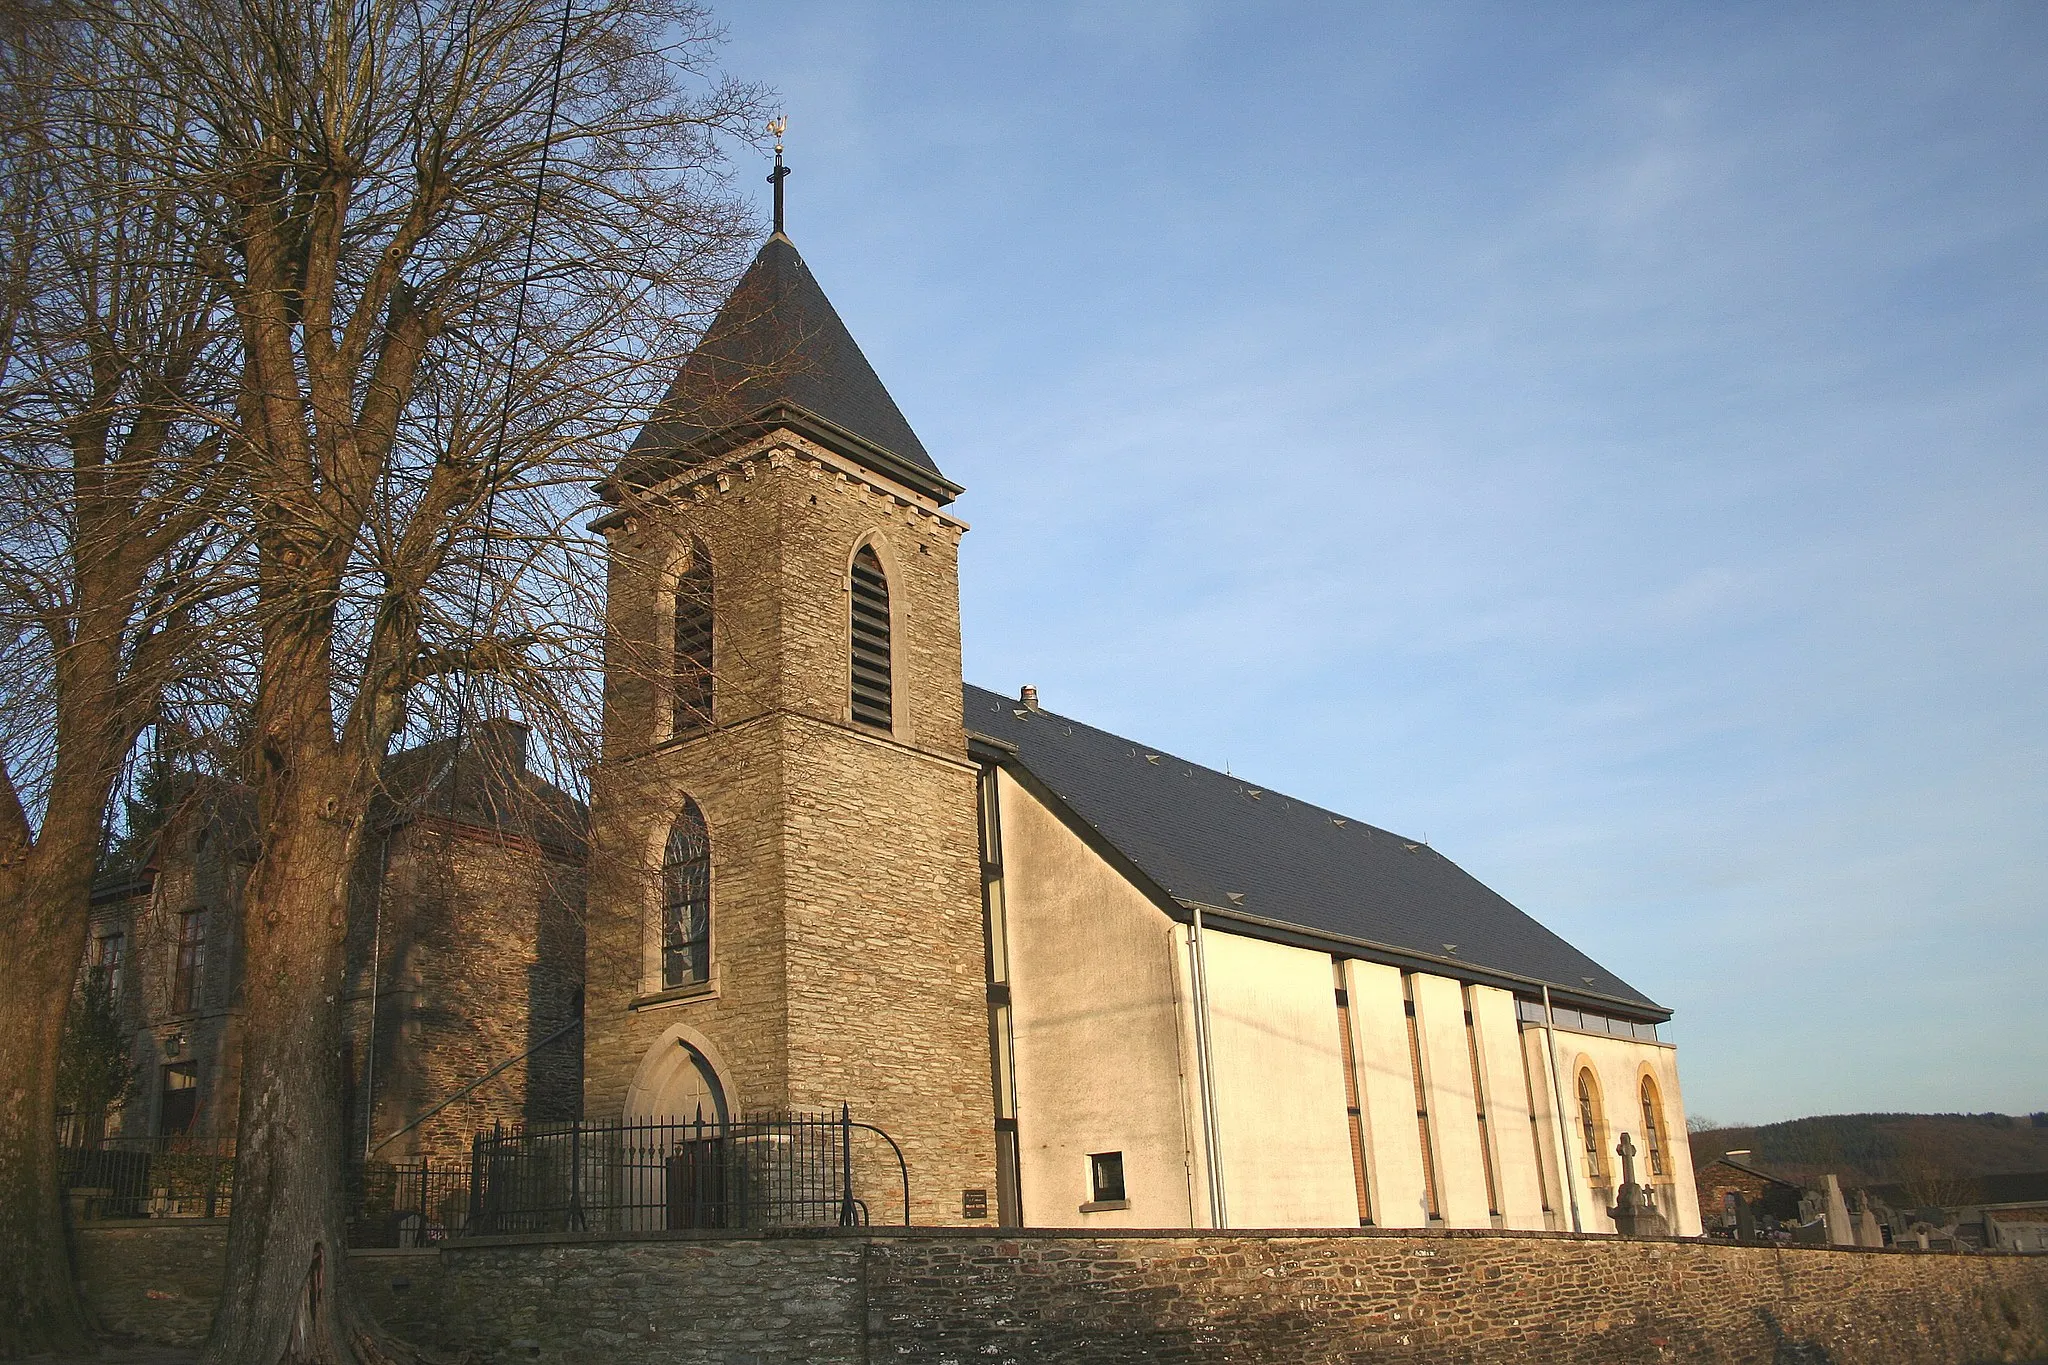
(157, 1280)
(479, 945)
(888, 1003)
(1319, 1298)
(846, 941)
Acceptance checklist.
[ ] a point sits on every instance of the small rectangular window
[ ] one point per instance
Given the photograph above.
(1106, 1177)
(191, 962)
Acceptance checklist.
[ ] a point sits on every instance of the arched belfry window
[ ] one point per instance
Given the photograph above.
(693, 631)
(1589, 1121)
(1653, 1129)
(873, 698)
(686, 902)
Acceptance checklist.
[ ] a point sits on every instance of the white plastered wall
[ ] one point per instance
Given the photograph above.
(1278, 1057)
(1453, 1112)
(1618, 1066)
(1100, 1059)
(1519, 1169)
(1386, 1095)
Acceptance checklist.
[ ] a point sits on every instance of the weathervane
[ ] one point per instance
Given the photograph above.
(781, 172)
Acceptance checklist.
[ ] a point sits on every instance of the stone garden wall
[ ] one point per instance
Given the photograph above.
(944, 1296)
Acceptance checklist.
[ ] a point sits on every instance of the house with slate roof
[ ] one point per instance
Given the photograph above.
(1081, 981)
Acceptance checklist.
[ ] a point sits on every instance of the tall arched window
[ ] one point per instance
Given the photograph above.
(873, 696)
(1589, 1122)
(686, 901)
(1653, 1131)
(692, 689)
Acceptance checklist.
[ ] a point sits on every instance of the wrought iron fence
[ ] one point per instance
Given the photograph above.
(172, 1177)
(766, 1171)
(408, 1203)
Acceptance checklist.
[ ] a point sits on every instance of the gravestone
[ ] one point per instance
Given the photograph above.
(1841, 1232)
(1745, 1220)
(1635, 1211)
(1863, 1218)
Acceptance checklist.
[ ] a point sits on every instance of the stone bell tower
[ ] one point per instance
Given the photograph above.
(785, 897)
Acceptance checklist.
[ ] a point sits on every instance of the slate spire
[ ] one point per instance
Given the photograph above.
(778, 355)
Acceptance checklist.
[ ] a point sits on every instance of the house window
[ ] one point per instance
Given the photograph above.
(693, 657)
(686, 901)
(180, 1099)
(1589, 1125)
(873, 696)
(1653, 1134)
(107, 952)
(1106, 1177)
(190, 969)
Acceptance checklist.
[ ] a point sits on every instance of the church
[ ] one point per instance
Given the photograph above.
(1080, 981)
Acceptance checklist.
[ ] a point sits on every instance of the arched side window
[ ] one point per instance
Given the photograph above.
(692, 677)
(872, 677)
(1653, 1130)
(686, 902)
(1589, 1121)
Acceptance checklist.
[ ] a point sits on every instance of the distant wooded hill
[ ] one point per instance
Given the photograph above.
(1879, 1149)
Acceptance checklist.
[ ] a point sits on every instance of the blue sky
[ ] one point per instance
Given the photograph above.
(1604, 439)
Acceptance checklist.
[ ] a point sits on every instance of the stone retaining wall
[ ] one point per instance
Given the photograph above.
(154, 1278)
(944, 1296)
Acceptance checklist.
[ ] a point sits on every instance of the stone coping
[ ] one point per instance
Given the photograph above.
(995, 1234)
(886, 1234)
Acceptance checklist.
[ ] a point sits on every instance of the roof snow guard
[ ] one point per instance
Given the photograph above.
(1264, 864)
(777, 355)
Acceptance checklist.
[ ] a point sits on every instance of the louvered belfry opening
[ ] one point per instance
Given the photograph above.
(692, 674)
(873, 702)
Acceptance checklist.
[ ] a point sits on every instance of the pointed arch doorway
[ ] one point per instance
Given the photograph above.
(680, 1080)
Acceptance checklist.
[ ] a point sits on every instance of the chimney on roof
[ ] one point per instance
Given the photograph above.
(1029, 696)
(502, 742)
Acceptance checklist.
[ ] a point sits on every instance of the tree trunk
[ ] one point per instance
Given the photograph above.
(45, 911)
(286, 1296)
(39, 1308)
(42, 895)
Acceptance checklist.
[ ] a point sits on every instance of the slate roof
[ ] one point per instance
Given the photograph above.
(1277, 865)
(778, 353)
(1748, 1168)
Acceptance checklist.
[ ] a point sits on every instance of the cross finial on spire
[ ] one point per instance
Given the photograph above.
(781, 172)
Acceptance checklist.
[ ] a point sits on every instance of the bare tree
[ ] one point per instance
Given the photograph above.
(463, 244)
(116, 376)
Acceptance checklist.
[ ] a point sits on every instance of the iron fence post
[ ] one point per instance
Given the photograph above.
(476, 1182)
(576, 1176)
(846, 1208)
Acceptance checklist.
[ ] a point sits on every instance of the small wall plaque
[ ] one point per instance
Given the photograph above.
(974, 1203)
